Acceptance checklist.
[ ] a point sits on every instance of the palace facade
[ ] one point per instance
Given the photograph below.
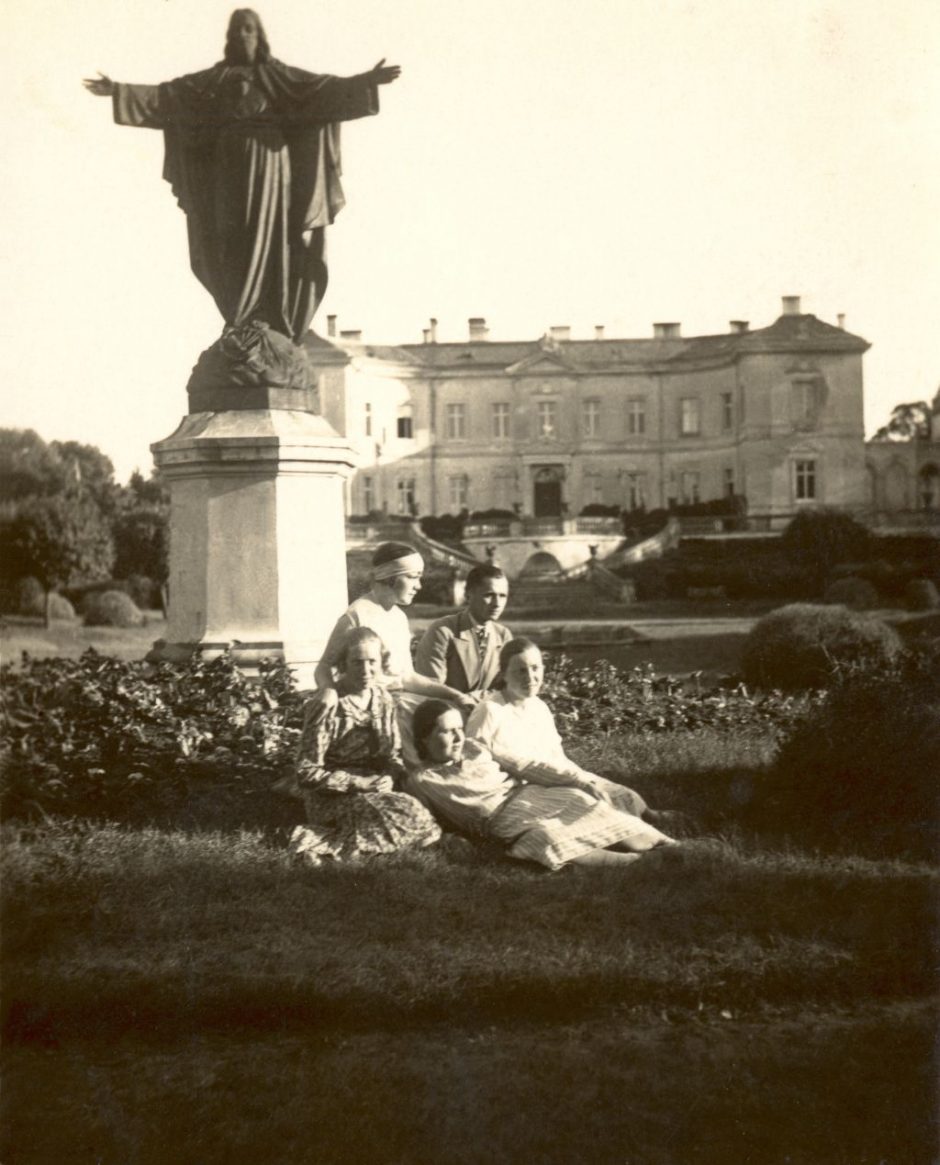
(547, 427)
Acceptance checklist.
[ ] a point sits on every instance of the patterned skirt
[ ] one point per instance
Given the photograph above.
(352, 825)
(552, 825)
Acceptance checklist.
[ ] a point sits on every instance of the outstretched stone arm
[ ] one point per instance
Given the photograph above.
(103, 86)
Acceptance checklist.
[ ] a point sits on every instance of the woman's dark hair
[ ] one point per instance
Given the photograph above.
(512, 648)
(389, 551)
(361, 635)
(425, 717)
(232, 50)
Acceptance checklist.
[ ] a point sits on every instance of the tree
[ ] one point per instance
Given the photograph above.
(62, 540)
(140, 543)
(88, 470)
(28, 466)
(908, 422)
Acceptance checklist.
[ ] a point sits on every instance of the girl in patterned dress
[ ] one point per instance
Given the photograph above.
(551, 817)
(349, 763)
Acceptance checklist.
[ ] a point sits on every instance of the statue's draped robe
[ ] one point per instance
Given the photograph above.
(253, 157)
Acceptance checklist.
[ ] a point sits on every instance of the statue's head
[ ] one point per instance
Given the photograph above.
(245, 40)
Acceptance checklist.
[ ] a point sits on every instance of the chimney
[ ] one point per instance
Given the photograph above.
(478, 328)
(433, 329)
(598, 331)
(840, 320)
(791, 305)
(426, 332)
(561, 332)
(355, 335)
(667, 331)
(739, 326)
(331, 325)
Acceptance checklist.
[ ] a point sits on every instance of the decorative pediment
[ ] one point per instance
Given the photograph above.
(549, 361)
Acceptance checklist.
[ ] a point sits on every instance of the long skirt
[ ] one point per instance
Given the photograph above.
(352, 825)
(553, 825)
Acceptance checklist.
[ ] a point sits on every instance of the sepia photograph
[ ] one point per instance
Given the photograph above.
(470, 583)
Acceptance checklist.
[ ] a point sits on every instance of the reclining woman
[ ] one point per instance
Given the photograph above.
(518, 729)
(349, 763)
(551, 817)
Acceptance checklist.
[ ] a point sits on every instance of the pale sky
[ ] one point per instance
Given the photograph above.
(571, 162)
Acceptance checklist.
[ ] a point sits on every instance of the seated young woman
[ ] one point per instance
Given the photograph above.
(396, 579)
(349, 763)
(552, 818)
(518, 729)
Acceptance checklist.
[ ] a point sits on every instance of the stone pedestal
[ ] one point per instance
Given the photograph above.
(257, 535)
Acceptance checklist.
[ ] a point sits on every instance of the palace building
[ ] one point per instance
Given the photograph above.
(546, 427)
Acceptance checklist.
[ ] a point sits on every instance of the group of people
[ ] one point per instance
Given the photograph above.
(392, 748)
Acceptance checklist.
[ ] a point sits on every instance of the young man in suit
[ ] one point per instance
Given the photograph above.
(462, 650)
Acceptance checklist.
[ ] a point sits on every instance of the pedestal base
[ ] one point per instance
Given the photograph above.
(257, 536)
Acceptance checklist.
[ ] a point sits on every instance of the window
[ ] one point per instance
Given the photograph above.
(690, 487)
(804, 480)
(727, 411)
(368, 494)
(591, 417)
(636, 417)
(368, 421)
(593, 488)
(458, 493)
(689, 416)
(405, 426)
(728, 481)
(501, 419)
(456, 422)
(636, 491)
(548, 413)
(406, 496)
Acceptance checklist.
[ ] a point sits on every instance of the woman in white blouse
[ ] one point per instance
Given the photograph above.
(518, 729)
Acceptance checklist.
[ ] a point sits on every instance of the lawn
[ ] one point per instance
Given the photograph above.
(186, 992)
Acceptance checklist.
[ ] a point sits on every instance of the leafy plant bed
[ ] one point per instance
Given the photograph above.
(98, 737)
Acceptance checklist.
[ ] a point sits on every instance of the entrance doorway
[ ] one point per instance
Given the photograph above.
(547, 491)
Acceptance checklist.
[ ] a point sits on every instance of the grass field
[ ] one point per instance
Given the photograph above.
(190, 994)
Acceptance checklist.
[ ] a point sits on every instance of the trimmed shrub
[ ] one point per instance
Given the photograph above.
(111, 609)
(920, 594)
(30, 596)
(861, 768)
(804, 645)
(61, 609)
(856, 593)
(30, 599)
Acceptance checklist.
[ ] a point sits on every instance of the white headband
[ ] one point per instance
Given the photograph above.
(403, 565)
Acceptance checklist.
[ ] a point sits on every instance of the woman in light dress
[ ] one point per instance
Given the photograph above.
(518, 729)
(397, 569)
(349, 767)
(552, 817)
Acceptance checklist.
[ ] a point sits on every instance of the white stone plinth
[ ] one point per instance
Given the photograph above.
(257, 535)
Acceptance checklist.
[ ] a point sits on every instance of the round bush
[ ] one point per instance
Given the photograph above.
(111, 609)
(804, 645)
(860, 769)
(857, 593)
(920, 594)
(30, 596)
(31, 600)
